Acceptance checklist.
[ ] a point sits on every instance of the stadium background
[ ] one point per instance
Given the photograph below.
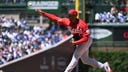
(114, 46)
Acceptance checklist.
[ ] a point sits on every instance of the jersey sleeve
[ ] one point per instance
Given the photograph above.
(60, 21)
(63, 21)
(51, 16)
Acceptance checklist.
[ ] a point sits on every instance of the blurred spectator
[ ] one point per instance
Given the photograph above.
(21, 23)
(64, 35)
(114, 10)
(57, 36)
(121, 17)
(126, 17)
(104, 17)
(111, 18)
(2, 19)
(37, 29)
(97, 17)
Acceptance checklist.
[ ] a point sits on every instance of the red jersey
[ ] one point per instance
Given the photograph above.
(80, 29)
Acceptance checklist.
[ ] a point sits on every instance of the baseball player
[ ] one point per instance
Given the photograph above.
(79, 30)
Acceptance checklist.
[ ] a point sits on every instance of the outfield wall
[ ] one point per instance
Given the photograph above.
(109, 34)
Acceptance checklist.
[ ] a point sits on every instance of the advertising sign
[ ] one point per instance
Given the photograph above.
(45, 5)
(99, 33)
(120, 34)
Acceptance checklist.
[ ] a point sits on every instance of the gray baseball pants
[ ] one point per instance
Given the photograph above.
(81, 52)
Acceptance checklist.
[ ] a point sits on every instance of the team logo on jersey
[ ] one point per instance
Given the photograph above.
(75, 30)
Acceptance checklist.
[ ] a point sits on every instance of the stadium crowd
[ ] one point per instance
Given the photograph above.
(114, 15)
(17, 39)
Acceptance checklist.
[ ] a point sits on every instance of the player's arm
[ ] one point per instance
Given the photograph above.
(84, 38)
(48, 15)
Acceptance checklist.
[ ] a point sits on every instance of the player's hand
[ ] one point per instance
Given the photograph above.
(72, 43)
(38, 11)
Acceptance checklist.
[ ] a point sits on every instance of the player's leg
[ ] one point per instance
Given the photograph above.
(72, 64)
(90, 61)
(76, 55)
(85, 57)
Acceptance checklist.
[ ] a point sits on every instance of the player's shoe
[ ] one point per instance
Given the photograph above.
(107, 67)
